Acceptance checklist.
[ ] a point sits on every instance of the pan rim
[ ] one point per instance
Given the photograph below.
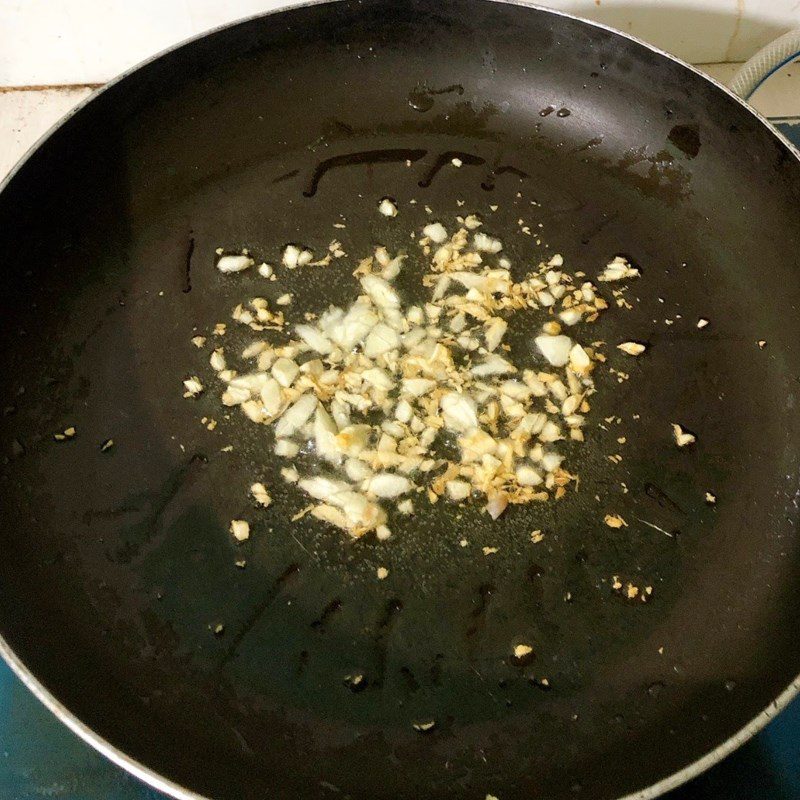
(162, 784)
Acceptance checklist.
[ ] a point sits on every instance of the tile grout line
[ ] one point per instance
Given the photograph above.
(50, 87)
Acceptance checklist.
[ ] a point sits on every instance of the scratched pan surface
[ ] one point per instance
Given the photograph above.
(115, 566)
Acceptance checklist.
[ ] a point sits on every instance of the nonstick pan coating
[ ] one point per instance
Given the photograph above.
(117, 565)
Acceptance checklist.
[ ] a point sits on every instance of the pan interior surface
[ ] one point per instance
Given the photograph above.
(118, 566)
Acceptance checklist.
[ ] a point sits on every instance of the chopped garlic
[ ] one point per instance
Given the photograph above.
(386, 484)
(193, 387)
(435, 232)
(217, 360)
(260, 494)
(325, 433)
(579, 360)
(404, 411)
(228, 264)
(493, 365)
(380, 292)
(521, 651)
(617, 270)
(550, 432)
(265, 270)
(382, 533)
(387, 207)
(556, 349)
(284, 370)
(68, 433)
(458, 490)
(570, 316)
(487, 243)
(496, 504)
(459, 411)
(255, 349)
(528, 476)
(417, 386)
(382, 573)
(286, 448)
(495, 332)
(240, 529)
(296, 416)
(357, 471)
(294, 256)
(381, 339)
(632, 348)
(614, 521)
(472, 221)
(322, 488)
(406, 507)
(551, 328)
(682, 437)
(314, 338)
(551, 461)
(272, 399)
(374, 389)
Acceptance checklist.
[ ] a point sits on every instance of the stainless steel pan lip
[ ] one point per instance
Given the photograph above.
(175, 790)
(131, 765)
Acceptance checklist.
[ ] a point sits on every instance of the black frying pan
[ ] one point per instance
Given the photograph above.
(116, 565)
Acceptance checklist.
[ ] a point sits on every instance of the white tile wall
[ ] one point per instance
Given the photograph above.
(26, 115)
(46, 42)
(698, 31)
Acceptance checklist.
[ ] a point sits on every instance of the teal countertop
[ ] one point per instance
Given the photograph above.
(40, 758)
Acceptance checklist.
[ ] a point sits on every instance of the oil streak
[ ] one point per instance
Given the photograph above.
(151, 525)
(443, 160)
(257, 612)
(421, 97)
(327, 612)
(364, 157)
(485, 592)
(286, 176)
(187, 266)
(488, 183)
(384, 628)
(661, 497)
(411, 681)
